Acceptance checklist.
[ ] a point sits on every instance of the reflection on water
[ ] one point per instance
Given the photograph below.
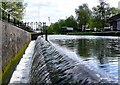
(102, 52)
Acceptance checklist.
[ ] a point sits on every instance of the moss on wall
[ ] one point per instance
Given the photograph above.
(7, 73)
(13, 38)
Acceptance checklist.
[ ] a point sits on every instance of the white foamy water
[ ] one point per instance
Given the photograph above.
(53, 37)
(22, 72)
(92, 64)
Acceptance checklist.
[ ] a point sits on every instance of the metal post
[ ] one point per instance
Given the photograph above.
(14, 21)
(44, 26)
(0, 13)
(41, 32)
(8, 18)
(25, 24)
(46, 35)
(18, 23)
(3, 14)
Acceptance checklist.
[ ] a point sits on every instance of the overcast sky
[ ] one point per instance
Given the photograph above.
(40, 10)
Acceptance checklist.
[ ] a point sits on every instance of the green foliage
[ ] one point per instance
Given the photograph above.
(101, 10)
(71, 22)
(95, 18)
(14, 8)
(50, 29)
(101, 14)
(56, 27)
(95, 23)
(114, 11)
(83, 14)
(81, 33)
(62, 23)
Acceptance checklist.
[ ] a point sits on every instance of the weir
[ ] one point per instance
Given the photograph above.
(51, 66)
(22, 71)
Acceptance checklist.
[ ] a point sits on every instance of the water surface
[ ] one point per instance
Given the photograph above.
(98, 52)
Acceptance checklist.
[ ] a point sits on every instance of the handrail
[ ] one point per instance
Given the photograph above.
(6, 16)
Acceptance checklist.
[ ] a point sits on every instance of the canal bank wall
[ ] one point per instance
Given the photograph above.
(13, 40)
(51, 66)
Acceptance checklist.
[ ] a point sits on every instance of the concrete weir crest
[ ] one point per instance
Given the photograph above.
(52, 67)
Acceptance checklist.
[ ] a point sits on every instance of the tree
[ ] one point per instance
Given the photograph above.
(114, 11)
(14, 8)
(102, 12)
(50, 28)
(83, 14)
(61, 23)
(71, 22)
(56, 28)
(94, 23)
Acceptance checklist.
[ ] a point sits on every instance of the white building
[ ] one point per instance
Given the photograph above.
(69, 28)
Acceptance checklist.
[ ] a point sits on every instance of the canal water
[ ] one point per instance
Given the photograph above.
(100, 53)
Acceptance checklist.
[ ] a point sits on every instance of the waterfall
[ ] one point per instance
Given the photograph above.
(42, 63)
(22, 72)
(51, 66)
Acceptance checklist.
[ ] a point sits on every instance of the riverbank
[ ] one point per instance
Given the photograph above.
(6, 75)
(108, 33)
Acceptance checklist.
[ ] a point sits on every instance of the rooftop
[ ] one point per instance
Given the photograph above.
(114, 18)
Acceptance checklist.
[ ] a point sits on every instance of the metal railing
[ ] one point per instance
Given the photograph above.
(5, 16)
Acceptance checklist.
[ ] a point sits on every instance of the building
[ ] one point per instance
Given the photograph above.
(115, 22)
(65, 30)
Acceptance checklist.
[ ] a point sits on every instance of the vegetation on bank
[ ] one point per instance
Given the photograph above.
(81, 33)
(13, 13)
(16, 9)
(10, 67)
(86, 18)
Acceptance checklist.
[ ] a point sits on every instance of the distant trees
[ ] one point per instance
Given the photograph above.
(101, 13)
(83, 14)
(95, 18)
(114, 11)
(14, 8)
(69, 22)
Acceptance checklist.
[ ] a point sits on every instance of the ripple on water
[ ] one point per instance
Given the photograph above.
(97, 52)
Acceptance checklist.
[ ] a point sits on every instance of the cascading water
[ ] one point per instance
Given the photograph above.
(42, 63)
(22, 72)
(51, 66)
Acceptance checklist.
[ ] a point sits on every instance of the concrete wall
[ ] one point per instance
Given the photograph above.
(13, 38)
